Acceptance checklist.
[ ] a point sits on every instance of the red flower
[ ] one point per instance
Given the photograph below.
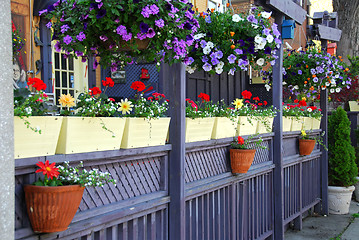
(148, 89)
(204, 97)
(256, 99)
(111, 99)
(240, 140)
(265, 103)
(260, 104)
(95, 91)
(150, 98)
(156, 95)
(296, 101)
(313, 108)
(48, 169)
(109, 82)
(167, 100)
(138, 85)
(302, 103)
(39, 84)
(246, 94)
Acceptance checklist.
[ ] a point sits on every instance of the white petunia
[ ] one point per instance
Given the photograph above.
(210, 44)
(267, 87)
(218, 70)
(206, 50)
(270, 38)
(260, 61)
(327, 84)
(255, 26)
(199, 36)
(266, 14)
(236, 18)
(332, 90)
(261, 45)
(337, 90)
(296, 87)
(190, 70)
(220, 64)
(284, 83)
(258, 39)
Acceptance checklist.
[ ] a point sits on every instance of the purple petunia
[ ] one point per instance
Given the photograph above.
(42, 11)
(151, 33)
(113, 67)
(81, 36)
(312, 71)
(64, 28)
(207, 67)
(127, 37)
(49, 25)
(219, 54)
(57, 46)
(204, 59)
(300, 72)
(203, 43)
(266, 31)
(146, 12)
(252, 19)
(214, 61)
(104, 38)
(160, 23)
(141, 36)
(208, 19)
(79, 54)
(101, 13)
(232, 58)
(67, 39)
(144, 27)
(238, 51)
(121, 30)
(315, 79)
(95, 63)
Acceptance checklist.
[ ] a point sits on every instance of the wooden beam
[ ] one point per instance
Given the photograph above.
(328, 33)
(287, 7)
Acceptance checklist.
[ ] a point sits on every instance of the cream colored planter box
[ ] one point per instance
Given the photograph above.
(86, 134)
(286, 124)
(246, 125)
(28, 143)
(316, 123)
(199, 129)
(265, 125)
(297, 124)
(307, 123)
(224, 127)
(354, 106)
(142, 132)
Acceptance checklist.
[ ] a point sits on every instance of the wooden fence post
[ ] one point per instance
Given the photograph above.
(277, 141)
(174, 85)
(324, 158)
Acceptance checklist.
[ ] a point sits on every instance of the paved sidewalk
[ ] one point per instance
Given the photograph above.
(345, 227)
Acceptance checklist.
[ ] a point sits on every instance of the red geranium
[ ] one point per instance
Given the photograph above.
(36, 83)
(111, 99)
(48, 169)
(138, 85)
(109, 82)
(204, 97)
(246, 94)
(240, 140)
(256, 99)
(265, 103)
(95, 91)
(302, 103)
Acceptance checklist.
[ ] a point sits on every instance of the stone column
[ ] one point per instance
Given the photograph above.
(7, 206)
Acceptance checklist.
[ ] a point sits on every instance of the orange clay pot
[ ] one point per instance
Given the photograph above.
(306, 146)
(241, 159)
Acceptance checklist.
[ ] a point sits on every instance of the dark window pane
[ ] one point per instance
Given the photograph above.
(64, 80)
(57, 92)
(71, 80)
(72, 93)
(57, 79)
(57, 60)
(71, 63)
(63, 62)
(64, 91)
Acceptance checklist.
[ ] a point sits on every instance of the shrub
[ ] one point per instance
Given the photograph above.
(342, 168)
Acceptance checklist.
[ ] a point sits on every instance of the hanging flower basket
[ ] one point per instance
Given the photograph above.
(306, 146)
(51, 209)
(241, 159)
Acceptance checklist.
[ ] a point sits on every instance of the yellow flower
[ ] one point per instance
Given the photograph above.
(304, 98)
(303, 133)
(125, 106)
(67, 100)
(238, 103)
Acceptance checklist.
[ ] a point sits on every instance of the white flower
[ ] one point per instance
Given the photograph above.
(327, 84)
(255, 26)
(210, 44)
(261, 45)
(332, 90)
(337, 76)
(198, 36)
(218, 70)
(270, 38)
(266, 14)
(190, 70)
(236, 18)
(206, 50)
(168, 41)
(296, 87)
(309, 110)
(258, 39)
(28, 110)
(337, 90)
(267, 87)
(260, 61)
(220, 64)
(284, 83)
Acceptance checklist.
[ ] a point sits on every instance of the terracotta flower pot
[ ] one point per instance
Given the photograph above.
(51, 209)
(306, 146)
(241, 159)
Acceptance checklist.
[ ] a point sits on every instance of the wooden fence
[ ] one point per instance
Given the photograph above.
(218, 205)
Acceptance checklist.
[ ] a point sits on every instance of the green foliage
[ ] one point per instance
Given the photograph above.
(357, 147)
(342, 168)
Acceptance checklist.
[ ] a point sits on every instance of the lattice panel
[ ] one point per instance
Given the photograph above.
(207, 163)
(262, 155)
(134, 178)
(311, 181)
(291, 184)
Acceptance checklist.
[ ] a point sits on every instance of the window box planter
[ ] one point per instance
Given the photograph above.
(286, 124)
(28, 143)
(264, 125)
(316, 123)
(87, 134)
(142, 132)
(224, 128)
(307, 123)
(246, 125)
(199, 129)
(297, 124)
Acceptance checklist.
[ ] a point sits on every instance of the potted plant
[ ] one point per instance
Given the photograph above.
(242, 153)
(146, 117)
(35, 134)
(357, 162)
(230, 42)
(48, 199)
(119, 31)
(225, 121)
(92, 124)
(342, 169)
(199, 119)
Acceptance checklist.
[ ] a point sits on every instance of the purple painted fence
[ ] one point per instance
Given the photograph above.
(218, 205)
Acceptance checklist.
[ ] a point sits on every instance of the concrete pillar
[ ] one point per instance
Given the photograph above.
(7, 206)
